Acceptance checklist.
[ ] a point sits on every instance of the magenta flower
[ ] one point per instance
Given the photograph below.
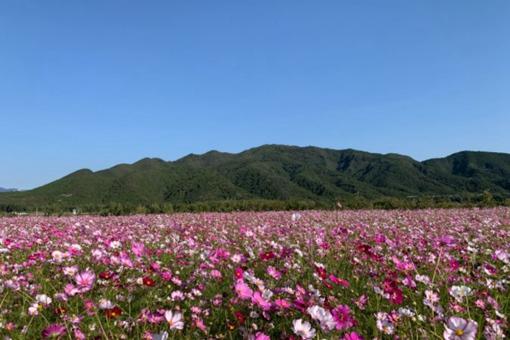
(259, 300)
(343, 318)
(243, 291)
(352, 336)
(53, 331)
(262, 336)
(282, 303)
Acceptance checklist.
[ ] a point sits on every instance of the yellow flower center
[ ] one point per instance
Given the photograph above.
(459, 332)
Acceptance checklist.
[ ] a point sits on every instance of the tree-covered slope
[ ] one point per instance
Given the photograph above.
(276, 172)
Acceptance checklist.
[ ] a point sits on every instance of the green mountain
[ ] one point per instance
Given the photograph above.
(276, 172)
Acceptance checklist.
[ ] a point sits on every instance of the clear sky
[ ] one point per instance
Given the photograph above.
(89, 84)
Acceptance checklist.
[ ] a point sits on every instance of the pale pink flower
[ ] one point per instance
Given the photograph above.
(459, 329)
(174, 320)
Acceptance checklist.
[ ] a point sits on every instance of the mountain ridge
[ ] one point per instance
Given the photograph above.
(276, 172)
(7, 189)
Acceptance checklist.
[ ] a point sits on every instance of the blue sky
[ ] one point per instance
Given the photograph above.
(100, 82)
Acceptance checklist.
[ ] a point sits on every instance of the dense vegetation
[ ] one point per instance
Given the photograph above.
(276, 177)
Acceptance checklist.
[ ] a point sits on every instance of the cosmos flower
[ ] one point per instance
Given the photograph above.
(352, 336)
(149, 282)
(243, 291)
(113, 312)
(138, 248)
(85, 280)
(343, 317)
(33, 310)
(384, 323)
(259, 336)
(303, 329)
(174, 320)
(160, 336)
(274, 273)
(460, 292)
(260, 301)
(53, 331)
(58, 256)
(105, 304)
(459, 329)
(323, 316)
(43, 299)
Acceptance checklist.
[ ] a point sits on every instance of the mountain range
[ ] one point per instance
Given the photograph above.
(276, 172)
(7, 190)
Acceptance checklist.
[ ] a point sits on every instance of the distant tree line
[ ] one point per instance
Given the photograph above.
(486, 199)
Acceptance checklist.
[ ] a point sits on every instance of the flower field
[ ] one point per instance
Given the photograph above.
(428, 274)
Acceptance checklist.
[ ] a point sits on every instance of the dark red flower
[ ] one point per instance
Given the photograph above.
(240, 317)
(268, 255)
(106, 275)
(148, 281)
(113, 313)
(321, 272)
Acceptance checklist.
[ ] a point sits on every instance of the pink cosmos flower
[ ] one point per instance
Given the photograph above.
(338, 281)
(261, 336)
(282, 303)
(216, 274)
(78, 334)
(459, 329)
(70, 289)
(352, 336)
(343, 317)
(85, 280)
(274, 273)
(89, 307)
(361, 302)
(260, 301)
(243, 291)
(53, 331)
(138, 248)
(199, 323)
(166, 275)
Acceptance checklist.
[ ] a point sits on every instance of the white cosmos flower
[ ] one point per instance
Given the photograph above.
(58, 256)
(115, 244)
(459, 329)
(105, 304)
(303, 329)
(33, 310)
(460, 292)
(323, 316)
(174, 320)
(43, 299)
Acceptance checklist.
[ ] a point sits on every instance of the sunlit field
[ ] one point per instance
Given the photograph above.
(429, 274)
